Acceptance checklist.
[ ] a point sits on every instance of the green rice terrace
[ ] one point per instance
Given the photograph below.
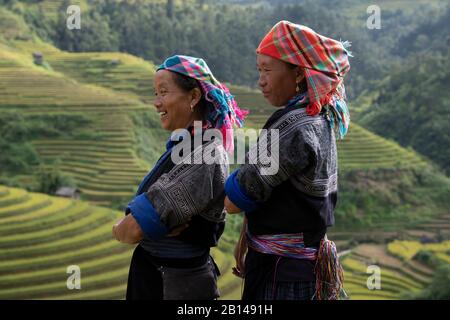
(401, 276)
(41, 235)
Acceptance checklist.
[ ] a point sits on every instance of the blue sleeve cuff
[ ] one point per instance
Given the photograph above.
(142, 210)
(237, 194)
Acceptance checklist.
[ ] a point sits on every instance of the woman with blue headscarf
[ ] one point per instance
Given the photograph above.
(172, 262)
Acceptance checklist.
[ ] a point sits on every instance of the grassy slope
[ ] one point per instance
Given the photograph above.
(41, 236)
(107, 169)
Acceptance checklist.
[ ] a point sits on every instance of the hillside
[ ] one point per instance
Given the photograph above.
(409, 103)
(414, 111)
(41, 236)
(388, 189)
(379, 54)
(106, 167)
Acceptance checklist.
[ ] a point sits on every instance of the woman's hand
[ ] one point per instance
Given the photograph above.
(127, 230)
(230, 207)
(240, 251)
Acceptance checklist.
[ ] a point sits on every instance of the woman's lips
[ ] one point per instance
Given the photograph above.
(162, 114)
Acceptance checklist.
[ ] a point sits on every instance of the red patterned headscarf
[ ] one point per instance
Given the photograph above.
(325, 62)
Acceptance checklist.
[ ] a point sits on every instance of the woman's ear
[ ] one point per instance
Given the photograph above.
(196, 95)
(299, 74)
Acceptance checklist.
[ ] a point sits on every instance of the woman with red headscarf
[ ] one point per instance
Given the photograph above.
(287, 213)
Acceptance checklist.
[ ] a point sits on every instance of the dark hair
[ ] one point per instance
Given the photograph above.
(303, 86)
(186, 84)
(290, 65)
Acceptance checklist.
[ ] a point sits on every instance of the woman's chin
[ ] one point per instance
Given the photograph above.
(165, 124)
(273, 103)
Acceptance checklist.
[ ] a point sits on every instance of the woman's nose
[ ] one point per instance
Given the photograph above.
(262, 82)
(157, 102)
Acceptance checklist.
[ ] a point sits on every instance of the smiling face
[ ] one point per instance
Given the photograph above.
(173, 103)
(277, 79)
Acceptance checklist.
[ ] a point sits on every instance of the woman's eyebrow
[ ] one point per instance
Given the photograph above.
(161, 85)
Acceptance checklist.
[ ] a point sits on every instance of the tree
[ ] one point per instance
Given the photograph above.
(170, 9)
(439, 289)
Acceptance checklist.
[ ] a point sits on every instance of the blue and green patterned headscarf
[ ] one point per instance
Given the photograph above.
(223, 110)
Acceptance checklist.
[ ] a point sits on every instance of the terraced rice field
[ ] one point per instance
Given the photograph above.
(133, 77)
(105, 169)
(406, 250)
(361, 149)
(400, 273)
(41, 236)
